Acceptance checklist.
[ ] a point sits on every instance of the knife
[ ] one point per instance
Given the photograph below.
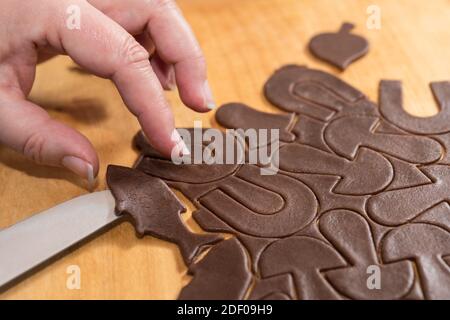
(28, 245)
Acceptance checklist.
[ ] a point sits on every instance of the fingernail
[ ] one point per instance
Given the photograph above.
(171, 82)
(92, 180)
(209, 98)
(81, 168)
(181, 145)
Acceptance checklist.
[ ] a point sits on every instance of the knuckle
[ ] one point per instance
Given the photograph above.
(193, 57)
(34, 146)
(199, 59)
(132, 52)
(197, 62)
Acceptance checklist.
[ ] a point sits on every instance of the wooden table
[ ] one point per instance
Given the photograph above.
(244, 42)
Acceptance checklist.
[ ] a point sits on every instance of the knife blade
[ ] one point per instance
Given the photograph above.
(31, 243)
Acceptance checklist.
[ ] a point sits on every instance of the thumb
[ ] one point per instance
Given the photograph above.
(28, 129)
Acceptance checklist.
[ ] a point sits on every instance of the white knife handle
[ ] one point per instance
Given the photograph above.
(30, 243)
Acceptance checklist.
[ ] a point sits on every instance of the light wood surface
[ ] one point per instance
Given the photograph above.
(244, 42)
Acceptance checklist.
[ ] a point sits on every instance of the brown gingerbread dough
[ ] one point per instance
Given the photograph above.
(357, 192)
(341, 48)
(155, 210)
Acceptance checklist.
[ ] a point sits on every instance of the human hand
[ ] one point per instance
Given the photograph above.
(114, 41)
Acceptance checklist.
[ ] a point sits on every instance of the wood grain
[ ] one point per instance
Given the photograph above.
(244, 41)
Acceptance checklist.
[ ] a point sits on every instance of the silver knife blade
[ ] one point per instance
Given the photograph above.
(34, 241)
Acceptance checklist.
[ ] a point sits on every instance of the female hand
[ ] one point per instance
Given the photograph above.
(113, 40)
